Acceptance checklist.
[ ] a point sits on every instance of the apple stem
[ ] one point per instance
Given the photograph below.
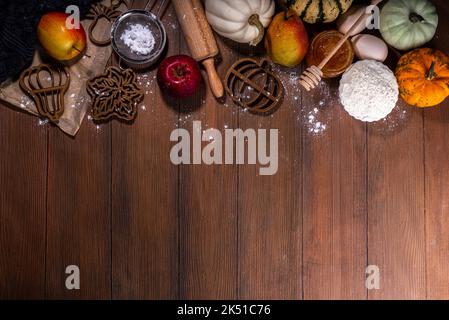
(80, 51)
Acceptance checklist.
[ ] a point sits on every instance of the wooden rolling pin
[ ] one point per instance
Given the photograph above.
(200, 39)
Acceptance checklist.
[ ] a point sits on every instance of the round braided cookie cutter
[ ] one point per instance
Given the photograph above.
(252, 85)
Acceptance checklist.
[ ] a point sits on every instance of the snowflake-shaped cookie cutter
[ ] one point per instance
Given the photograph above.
(116, 93)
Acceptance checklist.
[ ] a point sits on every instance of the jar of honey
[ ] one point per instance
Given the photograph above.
(322, 45)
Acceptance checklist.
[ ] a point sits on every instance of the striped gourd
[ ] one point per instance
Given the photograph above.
(313, 11)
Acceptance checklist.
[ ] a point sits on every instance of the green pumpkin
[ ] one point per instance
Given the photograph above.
(313, 11)
(408, 24)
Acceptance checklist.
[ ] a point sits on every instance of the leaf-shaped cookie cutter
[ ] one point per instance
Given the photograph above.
(115, 94)
(47, 94)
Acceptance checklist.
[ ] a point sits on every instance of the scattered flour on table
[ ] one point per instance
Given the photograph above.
(369, 91)
(146, 81)
(42, 122)
(315, 119)
(139, 39)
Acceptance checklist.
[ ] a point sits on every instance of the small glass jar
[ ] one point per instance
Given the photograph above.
(322, 45)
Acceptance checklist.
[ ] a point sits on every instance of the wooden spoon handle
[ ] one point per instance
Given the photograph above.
(359, 21)
(216, 86)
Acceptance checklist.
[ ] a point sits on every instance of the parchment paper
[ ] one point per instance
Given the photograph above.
(77, 100)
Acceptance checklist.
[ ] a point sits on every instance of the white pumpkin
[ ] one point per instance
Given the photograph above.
(243, 21)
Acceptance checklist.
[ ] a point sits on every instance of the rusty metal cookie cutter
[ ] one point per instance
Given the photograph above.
(110, 13)
(47, 93)
(252, 85)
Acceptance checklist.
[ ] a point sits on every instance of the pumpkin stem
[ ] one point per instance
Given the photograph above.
(255, 21)
(431, 74)
(415, 18)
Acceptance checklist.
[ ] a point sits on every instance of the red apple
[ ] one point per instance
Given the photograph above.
(60, 42)
(179, 76)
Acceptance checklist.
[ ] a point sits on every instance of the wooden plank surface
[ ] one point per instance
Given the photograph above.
(396, 233)
(145, 195)
(334, 200)
(437, 203)
(272, 203)
(23, 181)
(139, 227)
(78, 217)
(208, 202)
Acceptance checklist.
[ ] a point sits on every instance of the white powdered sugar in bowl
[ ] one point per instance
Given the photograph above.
(139, 39)
(369, 91)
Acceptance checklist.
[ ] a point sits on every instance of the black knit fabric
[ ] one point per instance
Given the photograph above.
(18, 23)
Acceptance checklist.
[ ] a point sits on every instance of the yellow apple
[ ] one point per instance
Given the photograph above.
(58, 41)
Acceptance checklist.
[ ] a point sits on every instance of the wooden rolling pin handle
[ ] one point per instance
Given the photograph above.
(216, 86)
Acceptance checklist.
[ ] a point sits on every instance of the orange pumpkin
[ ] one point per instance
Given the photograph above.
(423, 77)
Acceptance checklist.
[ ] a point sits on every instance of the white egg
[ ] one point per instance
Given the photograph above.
(369, 47)
(347, 20)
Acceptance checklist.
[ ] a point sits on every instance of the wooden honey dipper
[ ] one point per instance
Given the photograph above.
(311, 77)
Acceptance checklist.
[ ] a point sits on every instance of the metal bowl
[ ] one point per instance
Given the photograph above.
(145, 18)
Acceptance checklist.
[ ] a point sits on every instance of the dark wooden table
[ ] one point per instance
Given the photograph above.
(139, 227)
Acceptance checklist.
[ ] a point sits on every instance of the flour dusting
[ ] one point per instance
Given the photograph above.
(139, 39)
